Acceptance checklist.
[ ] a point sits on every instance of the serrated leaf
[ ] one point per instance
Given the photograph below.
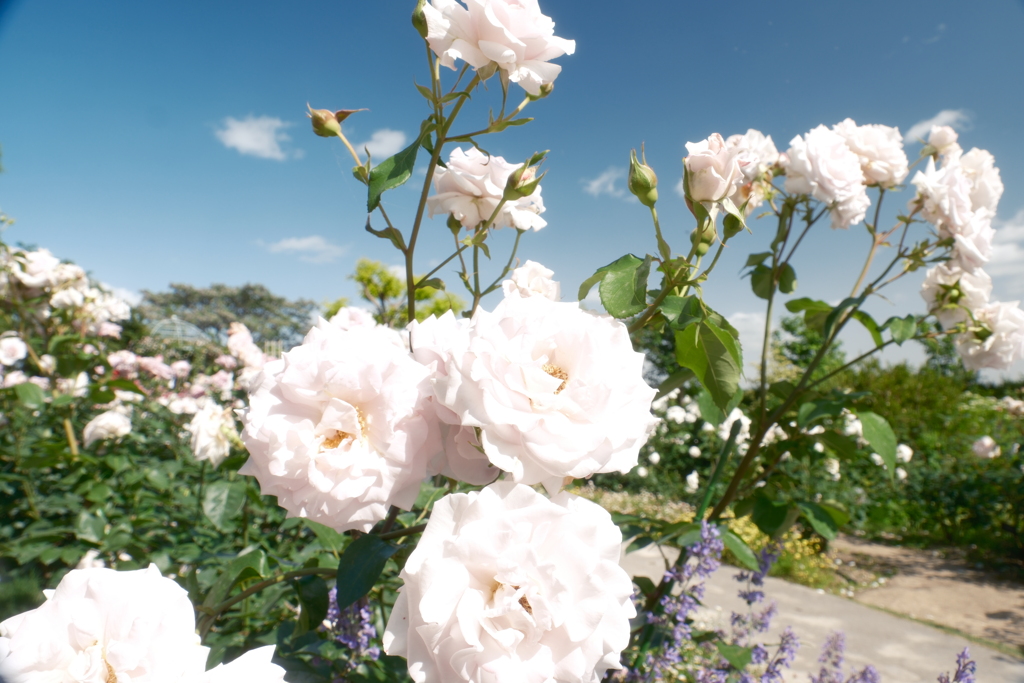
(680, 311)
(880, 436)
(391, 173)
(820, 520)
(756, 259)
(761, 281)
(222, 501)
(674, 381)
(624, 287)
(715, 358)
(787, 279)
(902, 329)
(739, 548)
(360, 566)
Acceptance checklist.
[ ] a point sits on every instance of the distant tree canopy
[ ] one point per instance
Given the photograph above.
(212, 309)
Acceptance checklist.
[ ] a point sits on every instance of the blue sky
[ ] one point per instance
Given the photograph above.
(110, 113)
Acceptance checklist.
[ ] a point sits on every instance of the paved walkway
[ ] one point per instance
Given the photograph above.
(902, 650)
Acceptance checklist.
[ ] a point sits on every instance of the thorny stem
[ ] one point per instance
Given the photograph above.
(875, 241)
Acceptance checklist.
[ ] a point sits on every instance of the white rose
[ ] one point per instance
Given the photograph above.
(878, 460)
(242, 347)
(179, 404)
(511, 35)
(108, 425)
(986, 185)
(532, 279)
(951, 293)
(67, 298)
(694, 452)
(943, 139)
(822, 165)
(714, 169)
(901, 473)
(12, 350)
(641, 472)
(123, 362)
(35, 269)
(47, 363)
(350, 317)
(100, 625)
(880, 150)
(744, 434)
(91, 560)
(1012, 405)
(471, 189)
(506, 585)
(944, 195)
(339, 429)
(73, 386)
(254, 666)
(155, 366)
(676, 414)
(462, 456)
(986, 447)
(14, 378)
(1000, 340)
(904, 453)
(213, 430)
(654, 458)
(108, 330)
(832, 467)
(555, 390)
(757, 155)
(692, 482)
(973, 243)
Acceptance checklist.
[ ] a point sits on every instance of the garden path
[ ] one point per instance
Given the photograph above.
(902, 650)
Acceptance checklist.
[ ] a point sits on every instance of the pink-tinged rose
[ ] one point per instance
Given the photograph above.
(880, 150)
(472, 187)
(510, 35)
(12, 350)
(943, 140)
(995, 340)
(822, 165)
(986, 447)
(986, 185)
(507, 585)
(109, 425)
(532, 279)
(952, 293)
(714, 169)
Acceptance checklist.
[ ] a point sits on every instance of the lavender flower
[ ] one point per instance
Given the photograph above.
(831, 659)
(965, 668)
(868, 674)
(788, 645)
(353, 628)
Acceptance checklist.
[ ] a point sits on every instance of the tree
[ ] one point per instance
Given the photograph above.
(212, 309)
(385, 291)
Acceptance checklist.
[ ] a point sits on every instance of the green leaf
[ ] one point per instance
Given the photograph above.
(739, 548)
(813, 410)
(761, 281)
(787, 279)
(425, 91)
(388, 234)
(815, 312)
(638, 543)
(99, 493)
(870, 325)
(756, 259)
(836, 512)
(843, 445)
(833, 318)
(594, 279)
(770, 516)
(252, 564)
(820, 520)
(123, 384)
(391, 173)
(680, 311)
(674, 381)
(30, 395)
(879, 434)
(715, 358)
(901, 329)
(222, 501)
(739, 657)
(314, 599)
(624, 287)
(645, 585)
(89, 527)
(330, 539)
(678, 531)
(360, 566)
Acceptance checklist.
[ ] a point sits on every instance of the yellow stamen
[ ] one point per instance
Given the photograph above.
(557, 373)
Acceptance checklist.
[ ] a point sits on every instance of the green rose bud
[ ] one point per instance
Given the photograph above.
(523, 181)
(419, 19)
(642, 182)
(327, 123)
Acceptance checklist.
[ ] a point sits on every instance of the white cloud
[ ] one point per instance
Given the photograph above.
(312, 249)
(679, 189)
(1008, 253)
(606, 183)
(132, 297)
(957, 118)
(258, 136)
(383, 143)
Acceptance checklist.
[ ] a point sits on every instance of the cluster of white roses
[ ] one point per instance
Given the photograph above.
(350, 423)
(41, 276)
(959, 198)
(904, 454)
(104, 626)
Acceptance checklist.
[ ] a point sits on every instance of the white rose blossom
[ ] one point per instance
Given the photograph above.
(35, 269)
(998, 342)
(904, 453)
(986, 185)
(822, 165)
(472, 187)
(986, 447)
(880, 150)
(507, 585)
(832, 467)
(107, 425)
(350, 317)
(213, 431)
(339, 429)
(556, 391)
(757, 155)
(943, 140)
(532, 279)
(101, 626)
(744, 434)
(14, 378)
(12, 350)
(510, 35)
(461, 457)
(692, 482)
(715, 170)
(953, 294)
